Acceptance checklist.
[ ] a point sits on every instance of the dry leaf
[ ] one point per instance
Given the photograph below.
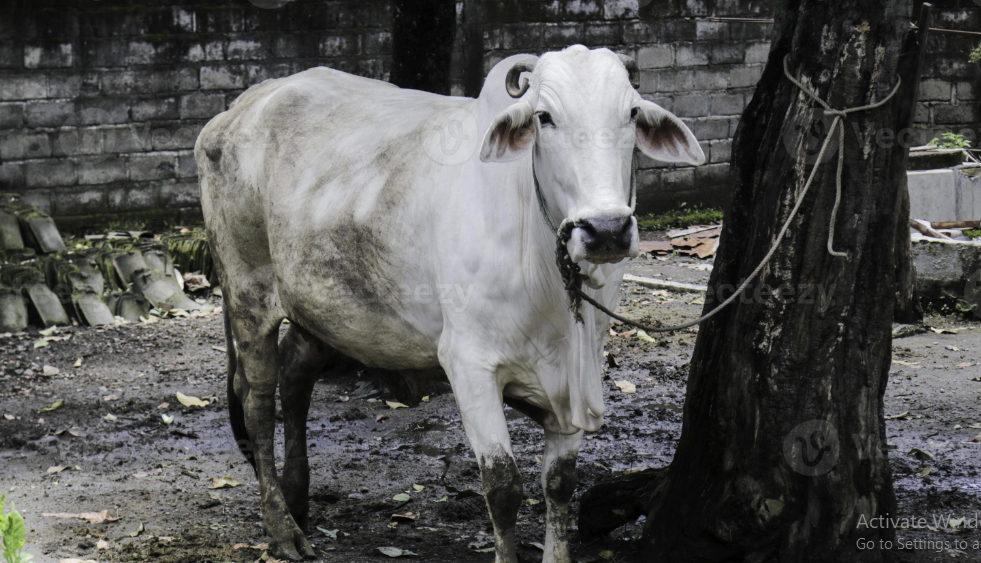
(92, 517)
(224, 482)
(644, 336)
(110, 417)
(626, 386)
(966, 364)
(944, 330)
(425, 399)
(9, 417)
(407, 517)
(914, 365)
(78, 363)
(396, 405)
(189, 401)
(381, 417)
(57, 469)
(162, 406)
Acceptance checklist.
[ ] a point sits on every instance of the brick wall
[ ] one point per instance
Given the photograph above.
(705, 71)
(100, 102)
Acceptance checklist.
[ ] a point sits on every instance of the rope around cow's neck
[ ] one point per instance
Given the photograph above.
(571, 272)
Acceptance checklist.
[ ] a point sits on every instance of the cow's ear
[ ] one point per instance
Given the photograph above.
(662, 136)
(510, 135)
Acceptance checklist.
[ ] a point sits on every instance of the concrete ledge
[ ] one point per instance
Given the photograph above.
(944, 195)
(948, 274)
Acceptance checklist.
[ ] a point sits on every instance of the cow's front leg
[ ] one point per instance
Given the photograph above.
(257, 358)
(559, 482)
(482, 408)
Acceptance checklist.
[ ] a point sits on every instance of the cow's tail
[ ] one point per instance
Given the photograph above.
(236, 411)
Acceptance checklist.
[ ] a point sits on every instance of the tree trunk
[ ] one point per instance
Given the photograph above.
(422, 44)
(782, 455)
(908, 309)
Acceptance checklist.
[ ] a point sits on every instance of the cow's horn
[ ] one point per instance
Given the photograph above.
(516, 86)
(632, 71)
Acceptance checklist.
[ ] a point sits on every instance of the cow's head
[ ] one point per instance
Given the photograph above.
(581, 116)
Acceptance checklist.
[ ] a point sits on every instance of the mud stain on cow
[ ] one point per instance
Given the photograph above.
(359, 263)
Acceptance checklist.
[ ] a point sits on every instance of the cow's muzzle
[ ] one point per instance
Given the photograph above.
(604, 240)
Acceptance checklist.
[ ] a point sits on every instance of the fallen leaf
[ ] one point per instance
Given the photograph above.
(418, 488)
(139, 530)
(425, 399)
(908, 364)
(110, 417)
(9, 417)
(532, 501)
(261, 547)
(626, 386)
(627, 334)
(332, 534)
(189, 401)
(920, 454)
(40, 343)
(50, 371)
(491, 549)
(54, 406)
(644, 336)
(926, 471)
(224, 482)
(895, 416)
(402, 497)
(344, 398)
(611, 360)
(396, 405)
(92, 517)
(162, 406)
(407, 517)
(167, 418)
(966, 364)
(943, 330)
(381, 417)
(57, 469)
(396, 552)
(78, 363)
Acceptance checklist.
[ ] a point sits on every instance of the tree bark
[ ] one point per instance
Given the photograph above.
(422, 44)
(782, 454)
(908, 309)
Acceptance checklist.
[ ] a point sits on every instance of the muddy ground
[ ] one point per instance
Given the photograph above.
(157, 477)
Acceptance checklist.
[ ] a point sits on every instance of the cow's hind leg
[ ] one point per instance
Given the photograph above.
(255, 328)
(301, 358)
(559, 482)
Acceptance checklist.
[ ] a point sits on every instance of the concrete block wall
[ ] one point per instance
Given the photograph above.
(101, 102)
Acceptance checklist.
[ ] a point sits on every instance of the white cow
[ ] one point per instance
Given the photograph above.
(363, 213)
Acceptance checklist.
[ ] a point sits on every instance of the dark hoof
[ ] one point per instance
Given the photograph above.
(295, 549)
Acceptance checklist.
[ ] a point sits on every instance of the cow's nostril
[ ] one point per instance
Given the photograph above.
(607, 237)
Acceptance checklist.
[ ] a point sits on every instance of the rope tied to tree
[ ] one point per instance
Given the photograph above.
(572, 277)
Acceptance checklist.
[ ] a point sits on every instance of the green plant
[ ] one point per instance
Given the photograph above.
(950, 140)
(680, 218)
(14, 534)
(972, 233)
(976, 54)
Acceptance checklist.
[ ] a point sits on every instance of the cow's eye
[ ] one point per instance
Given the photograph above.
(633, 114)
(545, 118)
